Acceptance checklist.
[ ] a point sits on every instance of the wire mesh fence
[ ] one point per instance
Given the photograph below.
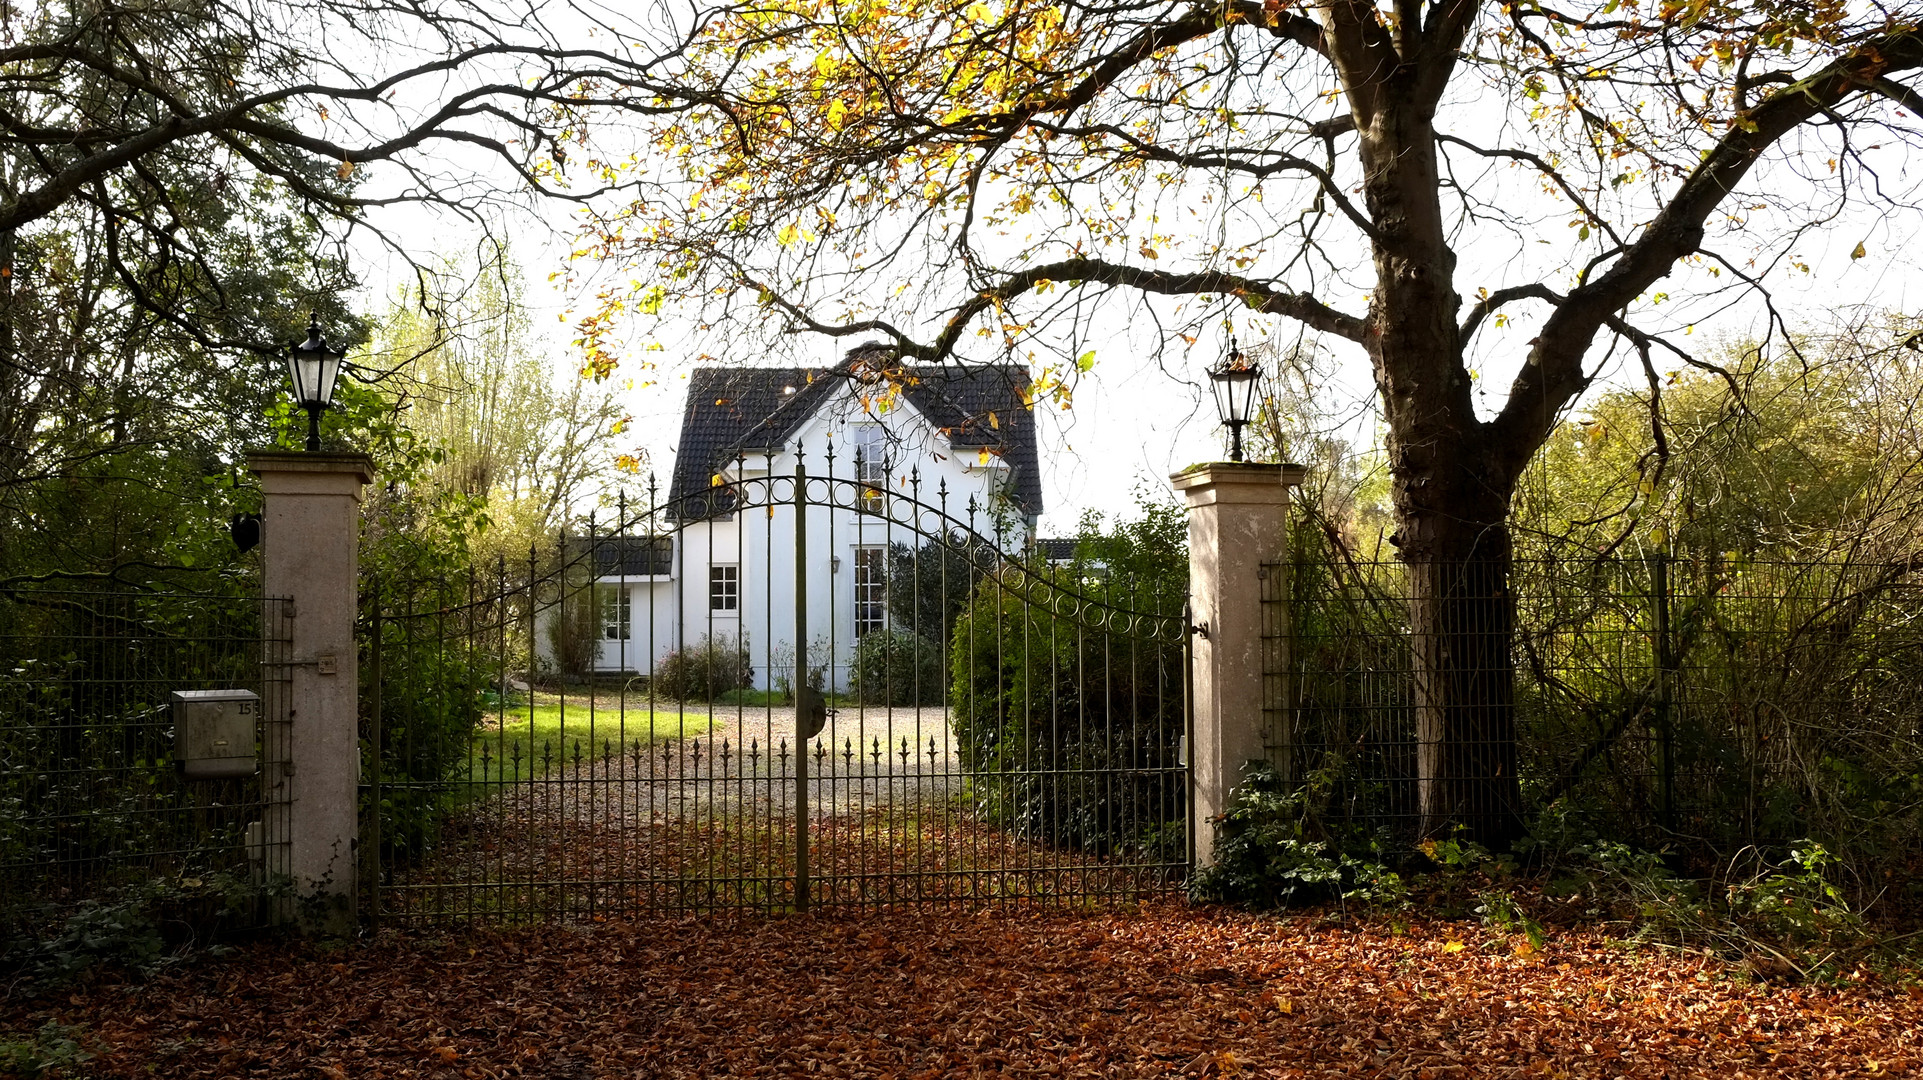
(623, 722)
(1703, 703)
(94, 811)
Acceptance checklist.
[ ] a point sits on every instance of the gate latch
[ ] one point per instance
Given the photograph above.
(811, 712)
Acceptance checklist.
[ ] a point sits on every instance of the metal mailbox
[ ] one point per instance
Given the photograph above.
(214, 733)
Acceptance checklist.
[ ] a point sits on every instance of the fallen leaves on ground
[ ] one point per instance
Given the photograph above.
(1168, 990)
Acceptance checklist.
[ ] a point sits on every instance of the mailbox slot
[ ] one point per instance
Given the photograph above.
(214, 733)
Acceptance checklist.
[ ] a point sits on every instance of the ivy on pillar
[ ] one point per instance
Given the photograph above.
(1238, 514)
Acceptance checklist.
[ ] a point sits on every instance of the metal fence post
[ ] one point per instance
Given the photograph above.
(1665, 661)
(371, 841)
(801, 685)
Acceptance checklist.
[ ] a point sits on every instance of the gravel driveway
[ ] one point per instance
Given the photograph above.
(868, 757)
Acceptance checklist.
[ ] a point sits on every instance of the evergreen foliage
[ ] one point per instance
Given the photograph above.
(1073, 730)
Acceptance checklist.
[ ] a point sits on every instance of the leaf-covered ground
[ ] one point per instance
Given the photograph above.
(1165, 991)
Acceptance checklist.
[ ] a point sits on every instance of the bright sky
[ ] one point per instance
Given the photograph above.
(1145, 410)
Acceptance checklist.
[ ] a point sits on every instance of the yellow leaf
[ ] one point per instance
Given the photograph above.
(1453, 947)
(346, 170)
(1859, 252)
(1284, 1006)
(787, 235)
(994, 422)
(982, 458)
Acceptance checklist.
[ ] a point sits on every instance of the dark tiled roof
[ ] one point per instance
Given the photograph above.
(1057, 551)
(624, 556)
(732, 410)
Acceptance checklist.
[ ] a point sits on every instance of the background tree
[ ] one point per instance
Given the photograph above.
(1808, 452)
(526, 440)
(177, 182)
(1452, 188)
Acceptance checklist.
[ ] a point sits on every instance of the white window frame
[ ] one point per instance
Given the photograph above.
(870, 580)
(615, 608)
(871, 466)
(724, 587)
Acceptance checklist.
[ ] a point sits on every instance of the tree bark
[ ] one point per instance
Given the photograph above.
(1461, 621)
(1451, 487)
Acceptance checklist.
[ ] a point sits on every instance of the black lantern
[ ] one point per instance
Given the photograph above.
(313, 365)
(1235, 384)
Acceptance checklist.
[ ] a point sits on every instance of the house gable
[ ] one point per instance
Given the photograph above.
(734, 411)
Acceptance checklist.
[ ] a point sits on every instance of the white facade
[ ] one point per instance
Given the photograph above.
(732, 577)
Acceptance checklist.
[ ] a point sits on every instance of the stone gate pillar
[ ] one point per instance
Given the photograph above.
(1237, 522)
(310, 540)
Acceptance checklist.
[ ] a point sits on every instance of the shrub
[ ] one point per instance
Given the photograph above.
(47, 1052)
(431, 705)
(705, 670)
(781, 669)
(573, 632)
(1271, 851)
(897, 667)
(1070, 724)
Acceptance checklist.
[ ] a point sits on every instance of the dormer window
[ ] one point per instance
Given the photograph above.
(871, 466)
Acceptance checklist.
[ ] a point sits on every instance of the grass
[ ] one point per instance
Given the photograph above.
(542, 740)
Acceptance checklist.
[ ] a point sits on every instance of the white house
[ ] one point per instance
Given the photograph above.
(717, 569)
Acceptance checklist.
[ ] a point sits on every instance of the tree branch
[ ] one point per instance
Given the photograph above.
(1258, 295)
(1553, 374)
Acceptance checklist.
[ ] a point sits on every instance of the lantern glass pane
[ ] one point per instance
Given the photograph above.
(326, 372)
(304, 373)
(1234, 390)
(1245, 389)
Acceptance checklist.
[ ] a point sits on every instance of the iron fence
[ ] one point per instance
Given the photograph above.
(623, 722)
(93, 811)
(1702, 703)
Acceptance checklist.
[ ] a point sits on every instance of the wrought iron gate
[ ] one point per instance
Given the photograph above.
(783, 692)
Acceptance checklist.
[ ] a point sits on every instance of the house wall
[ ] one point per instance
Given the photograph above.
(673, 614)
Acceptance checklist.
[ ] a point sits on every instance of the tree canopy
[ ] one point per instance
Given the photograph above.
(180, 181)
(1456, 189)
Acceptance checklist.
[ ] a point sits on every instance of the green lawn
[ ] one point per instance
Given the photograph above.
(543, 742)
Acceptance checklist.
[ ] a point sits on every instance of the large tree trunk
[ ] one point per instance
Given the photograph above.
(1461, 619)
(1452, 485)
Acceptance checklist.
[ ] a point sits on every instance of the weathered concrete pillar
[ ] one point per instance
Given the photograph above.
(310, 539)
(1237, 518)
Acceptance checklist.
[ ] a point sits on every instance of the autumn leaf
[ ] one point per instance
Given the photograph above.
(1020, 992)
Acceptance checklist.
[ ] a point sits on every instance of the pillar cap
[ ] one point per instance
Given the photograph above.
(284, 461)
(1220, 473)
